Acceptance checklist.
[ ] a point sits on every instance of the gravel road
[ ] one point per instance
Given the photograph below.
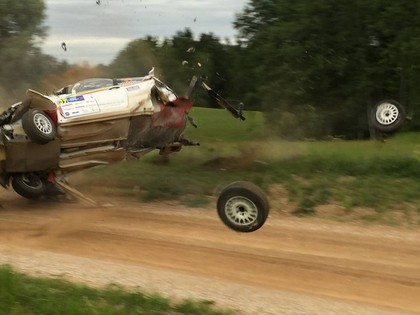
(289, 266)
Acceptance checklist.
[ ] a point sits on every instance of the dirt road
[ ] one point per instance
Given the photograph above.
(290, 266)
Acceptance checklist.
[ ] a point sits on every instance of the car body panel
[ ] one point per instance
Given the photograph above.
(93, 132)
(2, 153)
(70, 162)
(113, 102)
(26, 156)
(40, 101)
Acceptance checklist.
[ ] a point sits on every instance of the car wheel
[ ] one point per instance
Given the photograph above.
(243, 206)
(388, 116)
(38, 126)
(29, 185)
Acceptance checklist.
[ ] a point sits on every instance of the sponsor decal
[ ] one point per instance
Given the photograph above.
(132, 88)
(74, 106)
(72, 99)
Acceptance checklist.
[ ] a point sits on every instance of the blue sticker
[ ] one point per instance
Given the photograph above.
(75, 99)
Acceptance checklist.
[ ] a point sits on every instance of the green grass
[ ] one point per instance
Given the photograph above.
(380, 175)
(24, 295)
(218, 125)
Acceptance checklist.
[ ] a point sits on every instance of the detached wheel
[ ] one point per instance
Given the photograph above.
(38, 126)
(388, 116)
(243, 206)
(29, 185)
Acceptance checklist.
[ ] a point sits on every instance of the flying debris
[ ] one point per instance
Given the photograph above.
(219, 75)
(195, 19)
(184, 63)
(64, 46)
(191, 50)
(98, 2)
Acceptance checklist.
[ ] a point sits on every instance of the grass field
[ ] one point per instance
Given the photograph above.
(368, 180)
(381, 176)
(25, 295)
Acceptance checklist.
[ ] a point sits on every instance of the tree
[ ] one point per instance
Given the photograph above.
(21, 17)
(335, 55)
(177, 59)
(138, 57)
(21, 28)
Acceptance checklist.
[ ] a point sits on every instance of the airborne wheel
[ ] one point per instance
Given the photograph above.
(243, 206)
(388, 116)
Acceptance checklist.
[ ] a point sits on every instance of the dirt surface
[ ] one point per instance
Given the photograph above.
(289, 266)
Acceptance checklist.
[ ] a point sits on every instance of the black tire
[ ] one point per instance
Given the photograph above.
(38, 126)
(387, 116)
(29, 185)
(243, 206)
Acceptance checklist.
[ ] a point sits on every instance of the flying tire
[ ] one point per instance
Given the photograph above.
(243, 206)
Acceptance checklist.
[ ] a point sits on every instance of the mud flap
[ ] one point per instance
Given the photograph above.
(40, 101)
(4, 180)
(60, 182)
(26, 156)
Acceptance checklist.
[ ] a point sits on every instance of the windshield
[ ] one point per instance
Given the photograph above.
(91, 84)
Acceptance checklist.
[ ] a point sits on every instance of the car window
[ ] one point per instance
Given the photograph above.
(91, 84)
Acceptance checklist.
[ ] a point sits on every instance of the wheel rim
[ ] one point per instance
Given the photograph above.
(32, 181)
(241, 211)
(42, 123)
(387, 113)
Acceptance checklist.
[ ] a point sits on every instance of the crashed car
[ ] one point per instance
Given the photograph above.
(103, 121)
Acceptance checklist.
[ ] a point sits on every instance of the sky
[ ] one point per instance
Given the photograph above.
(96, 30)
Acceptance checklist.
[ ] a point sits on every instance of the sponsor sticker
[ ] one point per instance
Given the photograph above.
(74, 106)
(132, 88)
(75, 99)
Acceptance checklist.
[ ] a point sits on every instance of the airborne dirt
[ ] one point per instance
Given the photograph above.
(289, 266)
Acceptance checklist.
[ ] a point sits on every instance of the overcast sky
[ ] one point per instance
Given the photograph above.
(95, 33)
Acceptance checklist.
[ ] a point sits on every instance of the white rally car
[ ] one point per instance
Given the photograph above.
(103, 121)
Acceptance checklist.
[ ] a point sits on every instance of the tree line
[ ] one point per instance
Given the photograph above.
(314, 67)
